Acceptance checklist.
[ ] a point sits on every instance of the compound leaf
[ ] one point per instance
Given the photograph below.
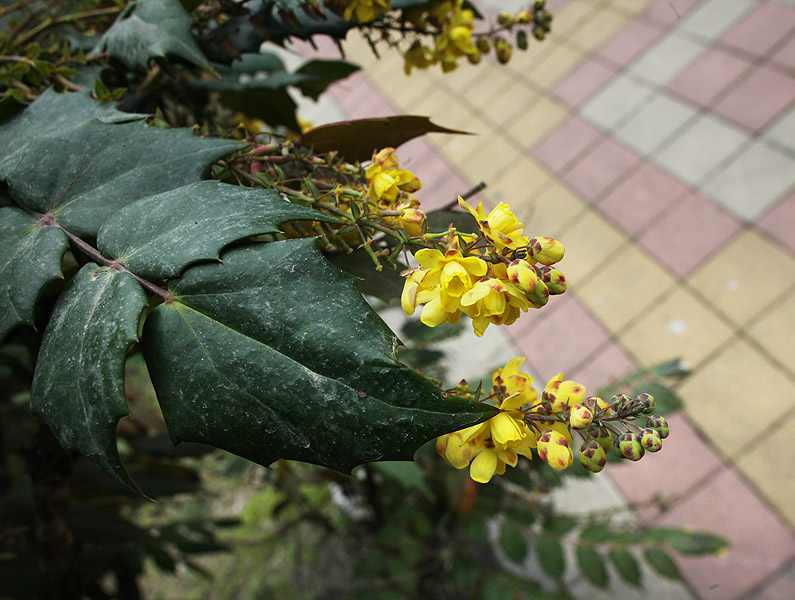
(626, 565)
(78, 386)
(30, 258)
(592, 566)
(298, 364)
(551, 556)
(192, 223)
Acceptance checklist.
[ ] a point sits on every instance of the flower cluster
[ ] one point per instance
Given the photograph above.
(364, 11)
(527, 421)
(391, 188)
(492, 278)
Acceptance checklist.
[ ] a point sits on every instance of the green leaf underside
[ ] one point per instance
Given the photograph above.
(30, 258)
(83, 174)
(356, 140)
(550, 556)
(273, 354)
(192, 223)
(156, 28)
(626, 565)
(78, 386)
(51, 114)
(662, 562)
(592, 566)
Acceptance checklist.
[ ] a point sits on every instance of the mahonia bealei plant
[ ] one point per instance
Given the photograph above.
(527, 421)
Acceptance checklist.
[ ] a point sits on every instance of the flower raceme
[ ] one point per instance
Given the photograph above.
(365, 11)
(527, 421)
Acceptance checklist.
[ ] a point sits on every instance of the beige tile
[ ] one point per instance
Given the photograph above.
(547, 212)
(456, 147)
(680, 326)
(518, 183)
(744, 277)
(624, 288)
(589, 242)
(493, 154)
(479, 95)
(737, 396)
(553, 65)
(432, 103)
(509, 100)
(530, 126)
(569, 17)
(628, 7)
(775, 331)
(762, 465)
(596, 30)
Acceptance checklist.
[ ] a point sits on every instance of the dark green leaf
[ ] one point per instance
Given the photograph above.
(592, 566)
(671, 368)
(662, 562)
(626, 565)
(155, 28)
(595, 534)
(253, 63)
(689, 542)
(550, 555)
(440, 220)
(356, 140)
(559, 524)
(78, 387)
(192, 223)
(82, 174)
(30, 258)
(9, 107)
(409, 474)
(386, 284)
(273, 354)
(323, 73)
(513, 541)
(418, 332)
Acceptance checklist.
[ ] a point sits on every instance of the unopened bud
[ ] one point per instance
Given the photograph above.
(659, 424)
(555, 280)
(540, 296)
(473, 58)
(505, 19)
(523, 17)
(602, 435)
(503, 49)
(522, 275)
(521, 39)
(581, 417)
(596, 404)
(629, 446)
(545, 250)
(553, 449)
(592, 456)
(651, 440)
(482, 44)
(648, 403)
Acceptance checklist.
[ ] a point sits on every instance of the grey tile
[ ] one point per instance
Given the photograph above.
(617, 100)
(783, 129)
(700, 149)
(753, 181)
(715, 17)
(666, 59)
(656, 121)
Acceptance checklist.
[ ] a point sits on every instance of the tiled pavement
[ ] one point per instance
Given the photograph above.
(656, 139)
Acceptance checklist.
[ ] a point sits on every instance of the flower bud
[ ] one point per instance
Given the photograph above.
(521, 39)
(523, 17)
(601, 434)
(593, 456)
(505, 19)
(629, 446)
(555, 280)
(553, 449)
(651, 440)
(522, 275)
(540, 296)
(482, 44)
(622, 402)
(597, 405)
(648, 403)
(581, 417)
(473, 58)
(545, 250)
(503, 49)
(659, 424)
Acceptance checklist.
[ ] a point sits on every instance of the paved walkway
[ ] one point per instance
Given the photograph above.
(656, 140)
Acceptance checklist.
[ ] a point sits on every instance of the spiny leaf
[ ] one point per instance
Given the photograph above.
(78, 386)
(30, 257)
(626, 565)
(155, 28)
(51, 114)
(82, 174)
(322, 73)
(273, 354)
(356, 140)
(192, 223)
(592, 566)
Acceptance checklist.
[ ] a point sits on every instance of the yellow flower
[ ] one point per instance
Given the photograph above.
(412, 219)
(501, 227)
(562, 394)
(514, 387)
(387, 181)
(493, 300)
(455, 40)
(418, 56)
(453, 273)
(365, 10)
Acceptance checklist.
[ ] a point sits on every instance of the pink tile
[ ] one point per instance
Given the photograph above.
(758, 99)
(669, 11)
(565, 143)
(760, 542)
(708, 76)
(583, 82)
(780, 222)
(560, 342)
(607, 365)
(762, 28)
(785, 55)
(600, 167)
(686, 459)
(781, 586)
(641, 197)
(688, 233)
(630, 41)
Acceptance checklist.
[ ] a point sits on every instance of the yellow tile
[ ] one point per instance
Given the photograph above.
(775, 329)
(528, 127)
(408, 91)
(596, 30)
(455, 148)
(569, 17)
(737, 396)
(624, 288)
(517, 183)
(762, 465)
(589, 242)
(554, 65)
(433, 103)
(483, 89)
(491, 156)
(679, 327)
(509, 100)
(629, 7)
(549, 211)
(745, 276)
